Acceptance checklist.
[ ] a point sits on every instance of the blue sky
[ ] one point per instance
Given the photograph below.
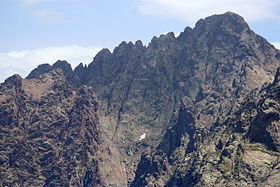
(42, 31)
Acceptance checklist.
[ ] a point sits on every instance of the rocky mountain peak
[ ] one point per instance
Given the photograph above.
(14, 80)
(162, 41)
(230, 21)
(80, 67)
(187, 104)
(103, 54)
(50, 134)
(41, 69)
(63, 64)
(139, 43)
(45, 68)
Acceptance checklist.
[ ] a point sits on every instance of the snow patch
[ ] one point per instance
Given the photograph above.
(143, 136)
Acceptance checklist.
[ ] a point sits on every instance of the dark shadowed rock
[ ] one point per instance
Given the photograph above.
(178, 101)
(241, 150)
(50, 135)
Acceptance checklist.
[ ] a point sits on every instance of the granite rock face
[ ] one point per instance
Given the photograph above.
(141, 87)
(242, 150)
(164, 106)
(50, 134)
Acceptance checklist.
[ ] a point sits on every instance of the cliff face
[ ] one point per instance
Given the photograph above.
(141, 87)
(50, 133)
(174, 101)
(242, 150)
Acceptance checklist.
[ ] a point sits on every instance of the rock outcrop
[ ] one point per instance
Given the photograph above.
(242, 150)
(177, 104)
(50, 135)
(141, 87)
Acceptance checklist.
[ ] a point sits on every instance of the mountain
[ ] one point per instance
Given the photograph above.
(240, 150)
(50, 135)
(170, 110)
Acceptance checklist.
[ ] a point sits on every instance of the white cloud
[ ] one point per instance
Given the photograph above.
(22, 62)
(276, 45)
(49, 16)
(190, 10)
(32, 2)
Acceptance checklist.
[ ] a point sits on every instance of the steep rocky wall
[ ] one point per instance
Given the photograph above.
(142, 89)
(50, 135)
(242, 150)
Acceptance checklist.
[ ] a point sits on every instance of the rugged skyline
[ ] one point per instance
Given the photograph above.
(200, 109)
(43, 31)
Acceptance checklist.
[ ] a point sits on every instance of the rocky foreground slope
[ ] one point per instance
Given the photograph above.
(173, 113)
(50, 135)
(240, 150)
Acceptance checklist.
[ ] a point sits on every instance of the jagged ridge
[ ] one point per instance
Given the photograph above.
(143, 89)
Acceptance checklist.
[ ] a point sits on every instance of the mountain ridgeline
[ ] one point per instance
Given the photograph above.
(200, 109)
